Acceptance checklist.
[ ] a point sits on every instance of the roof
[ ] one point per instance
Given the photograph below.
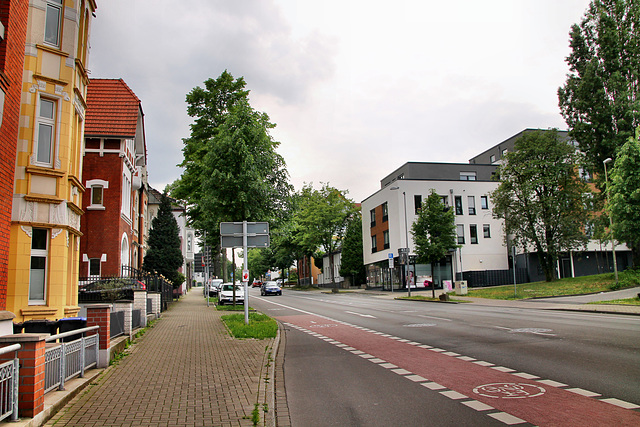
(112, 109)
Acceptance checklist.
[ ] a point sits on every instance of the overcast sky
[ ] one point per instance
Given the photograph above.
(356, 87)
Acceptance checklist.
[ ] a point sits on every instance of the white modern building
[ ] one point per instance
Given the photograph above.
(389, 213)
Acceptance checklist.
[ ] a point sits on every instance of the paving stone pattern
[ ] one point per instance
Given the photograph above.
(185, 371)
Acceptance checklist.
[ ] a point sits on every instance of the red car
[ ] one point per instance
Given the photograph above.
(256, 284)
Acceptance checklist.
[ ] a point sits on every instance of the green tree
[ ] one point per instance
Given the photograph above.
(434, 231)
(543, 201)
(322, 219)
(624, 194)
(600, 100)
(352, 261)
(164, 255)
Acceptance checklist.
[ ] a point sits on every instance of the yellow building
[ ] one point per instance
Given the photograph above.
(45, 228)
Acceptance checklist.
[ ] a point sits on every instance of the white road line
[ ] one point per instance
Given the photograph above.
(466, 358)
(483, 363)
(434, 317)
(583, 392)
(621, 403)
(361, 315)
(478, 406)
(416, 378)
(552, 383)
(506, 418)
(376, 360)
(526, 376)
(388, 365)
(400, 371)
(433, 386)
(450, 353)
(502, 369)
(454, 395)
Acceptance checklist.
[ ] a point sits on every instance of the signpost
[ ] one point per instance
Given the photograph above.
(244, 235)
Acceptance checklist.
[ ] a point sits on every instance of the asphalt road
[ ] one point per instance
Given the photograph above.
(353, 359)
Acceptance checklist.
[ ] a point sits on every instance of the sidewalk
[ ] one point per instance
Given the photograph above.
(185, 371)
(570, 303)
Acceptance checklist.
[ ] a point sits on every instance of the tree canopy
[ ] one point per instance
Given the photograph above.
(600, 99)
(352, 261)
(543, 201)
(164, 255)
(322, 218)
(434, 231)
(624, 196)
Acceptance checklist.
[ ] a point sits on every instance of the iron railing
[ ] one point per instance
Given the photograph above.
(9, 379)
(68, 359)
(117, 323)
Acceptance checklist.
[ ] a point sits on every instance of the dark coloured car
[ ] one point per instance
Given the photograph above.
(270, 288)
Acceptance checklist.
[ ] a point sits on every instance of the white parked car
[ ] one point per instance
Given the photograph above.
(225, 295)
(214, 287)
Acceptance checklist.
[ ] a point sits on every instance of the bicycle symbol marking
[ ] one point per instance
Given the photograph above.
(509, 390)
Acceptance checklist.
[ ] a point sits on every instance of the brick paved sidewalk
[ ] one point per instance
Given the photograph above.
(185, 371)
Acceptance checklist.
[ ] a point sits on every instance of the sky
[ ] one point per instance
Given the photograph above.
(356, 88)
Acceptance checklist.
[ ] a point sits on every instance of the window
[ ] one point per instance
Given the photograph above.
(385, 212)
(94, 266)
(38, 272)
(471, 200)
(126, 194)
(372, 212)
(386, 239)
(374, 246)
(460, 231)
(417, 203)
(484, 202)
(96, 195)
(504, 152)
(492, 159)
(467, 176)
(458, 200)
(486, 231)
(473, 234)
(46, 132)
(52, 22)
(445, 200)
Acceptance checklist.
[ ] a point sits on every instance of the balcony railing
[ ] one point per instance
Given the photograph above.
(9, 379)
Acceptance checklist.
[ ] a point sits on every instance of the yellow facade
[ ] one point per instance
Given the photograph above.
(45, 230)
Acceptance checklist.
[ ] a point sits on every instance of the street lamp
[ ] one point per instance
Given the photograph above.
(613, 243)
(406, 240)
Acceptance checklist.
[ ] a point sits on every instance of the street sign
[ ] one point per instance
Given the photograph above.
(233, 228)
(390, 256)
(245, 275)
(258, 241)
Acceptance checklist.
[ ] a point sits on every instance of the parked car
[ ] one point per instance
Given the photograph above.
(225, 295)
(256, 284)
(214, 287)
(270, 288)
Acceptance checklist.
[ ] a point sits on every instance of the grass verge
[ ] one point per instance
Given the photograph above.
(568, 286)
(260, 326)
(627, 301)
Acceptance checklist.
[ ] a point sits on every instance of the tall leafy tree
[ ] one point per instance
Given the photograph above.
(624, 196)
(245, 179)
(600, 99)
(352, 261)
(434, 231)
(544, 202)
(322, 219)
(164, 255)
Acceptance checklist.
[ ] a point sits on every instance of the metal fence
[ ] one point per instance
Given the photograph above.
(9, 379)
(117, 323)
(136, 319)
(69, 359)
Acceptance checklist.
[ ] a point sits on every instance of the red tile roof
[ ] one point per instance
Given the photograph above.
(112, 109)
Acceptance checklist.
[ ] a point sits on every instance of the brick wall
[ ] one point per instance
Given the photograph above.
(13, 16)
(102, 229)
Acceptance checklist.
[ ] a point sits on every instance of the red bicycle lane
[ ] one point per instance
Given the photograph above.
(530, 400)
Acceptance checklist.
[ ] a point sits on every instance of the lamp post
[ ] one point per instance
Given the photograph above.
(613, 243)
(406, 240)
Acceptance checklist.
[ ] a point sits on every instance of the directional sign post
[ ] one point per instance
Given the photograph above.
(244, 235)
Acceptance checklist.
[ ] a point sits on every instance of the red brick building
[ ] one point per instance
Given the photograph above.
(114, 174)
(13, 30)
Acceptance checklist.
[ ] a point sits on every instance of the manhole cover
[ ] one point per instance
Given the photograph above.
(509, 390)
